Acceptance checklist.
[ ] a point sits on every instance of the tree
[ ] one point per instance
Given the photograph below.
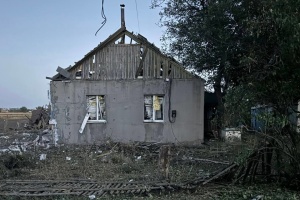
(247, 48)
(236, 42)
(206, 36)
(23, 109)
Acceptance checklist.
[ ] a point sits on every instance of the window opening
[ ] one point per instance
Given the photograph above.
(153, 108)
(78, 74)
(161, 70)
(96, 108)
(141, 72)
(94, 59)
(170, 70)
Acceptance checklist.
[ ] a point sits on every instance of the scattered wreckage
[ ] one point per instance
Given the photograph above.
(37, 133)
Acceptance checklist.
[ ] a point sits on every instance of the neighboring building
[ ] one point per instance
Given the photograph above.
(263, 118)
(127, 92)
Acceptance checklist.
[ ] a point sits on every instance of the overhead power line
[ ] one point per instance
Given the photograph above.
(103, 16)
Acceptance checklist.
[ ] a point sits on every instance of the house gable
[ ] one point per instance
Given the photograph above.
(114, 59)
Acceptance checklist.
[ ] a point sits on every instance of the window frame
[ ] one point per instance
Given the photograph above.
(91, 121)
(154, 111)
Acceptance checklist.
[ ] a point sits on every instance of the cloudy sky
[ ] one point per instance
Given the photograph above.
(37, 36)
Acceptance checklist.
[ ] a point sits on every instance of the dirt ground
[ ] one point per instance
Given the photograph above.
(22, 156)
(108, 161)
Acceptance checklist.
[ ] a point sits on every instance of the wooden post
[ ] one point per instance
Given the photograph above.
(164, 161)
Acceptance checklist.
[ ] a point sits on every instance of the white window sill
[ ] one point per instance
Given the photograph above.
(96, 121)
(153, 121)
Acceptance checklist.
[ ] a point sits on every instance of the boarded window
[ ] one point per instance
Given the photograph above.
(96, 108)
(153, 108)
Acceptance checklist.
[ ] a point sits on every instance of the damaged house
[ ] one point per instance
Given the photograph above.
(126, 90)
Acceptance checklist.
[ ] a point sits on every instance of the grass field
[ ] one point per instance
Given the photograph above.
(15, 115)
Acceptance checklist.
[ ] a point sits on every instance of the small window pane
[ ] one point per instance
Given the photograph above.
(101, 110)
(148, 108)
(96, 107)
(92, 107)
(159, 108)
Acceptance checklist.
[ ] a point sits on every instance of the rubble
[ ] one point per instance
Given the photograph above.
(43, 156)
(39, 119)
(21, 142)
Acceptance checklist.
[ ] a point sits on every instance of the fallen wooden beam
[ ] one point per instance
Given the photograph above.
(223, 172)
(208, 160)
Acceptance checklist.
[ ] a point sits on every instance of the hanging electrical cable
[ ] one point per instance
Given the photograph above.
(171, 119)
(137, 15)
(103, 16)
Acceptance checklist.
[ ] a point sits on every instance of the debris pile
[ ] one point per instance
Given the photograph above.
(39, 119)
(18, 143)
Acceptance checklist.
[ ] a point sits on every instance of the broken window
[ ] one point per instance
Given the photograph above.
(96, 108)
(78, 74)
(153, 108)
(161, 70)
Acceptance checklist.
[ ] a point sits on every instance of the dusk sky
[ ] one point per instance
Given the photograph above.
(37, 36)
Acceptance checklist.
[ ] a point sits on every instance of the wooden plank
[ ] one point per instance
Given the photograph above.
(99, 65)
(151, 65)
(145, 72)
(116, 62)
(159, 60)
(96, 66)
(180, 73)
(136, 60)
(153, 68)
(83, 70)
(104, 64)
(163, 63)
(38, 195)
(107, 64)
(111, 63)
(169, 71)
(165, 68)
(123, 62)
(129, 62)
(155, 65)
(110, 75)
(147, 65)
(126, 60)
(92, 66)
(177, 72)
(131, 67)
(183, 73)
